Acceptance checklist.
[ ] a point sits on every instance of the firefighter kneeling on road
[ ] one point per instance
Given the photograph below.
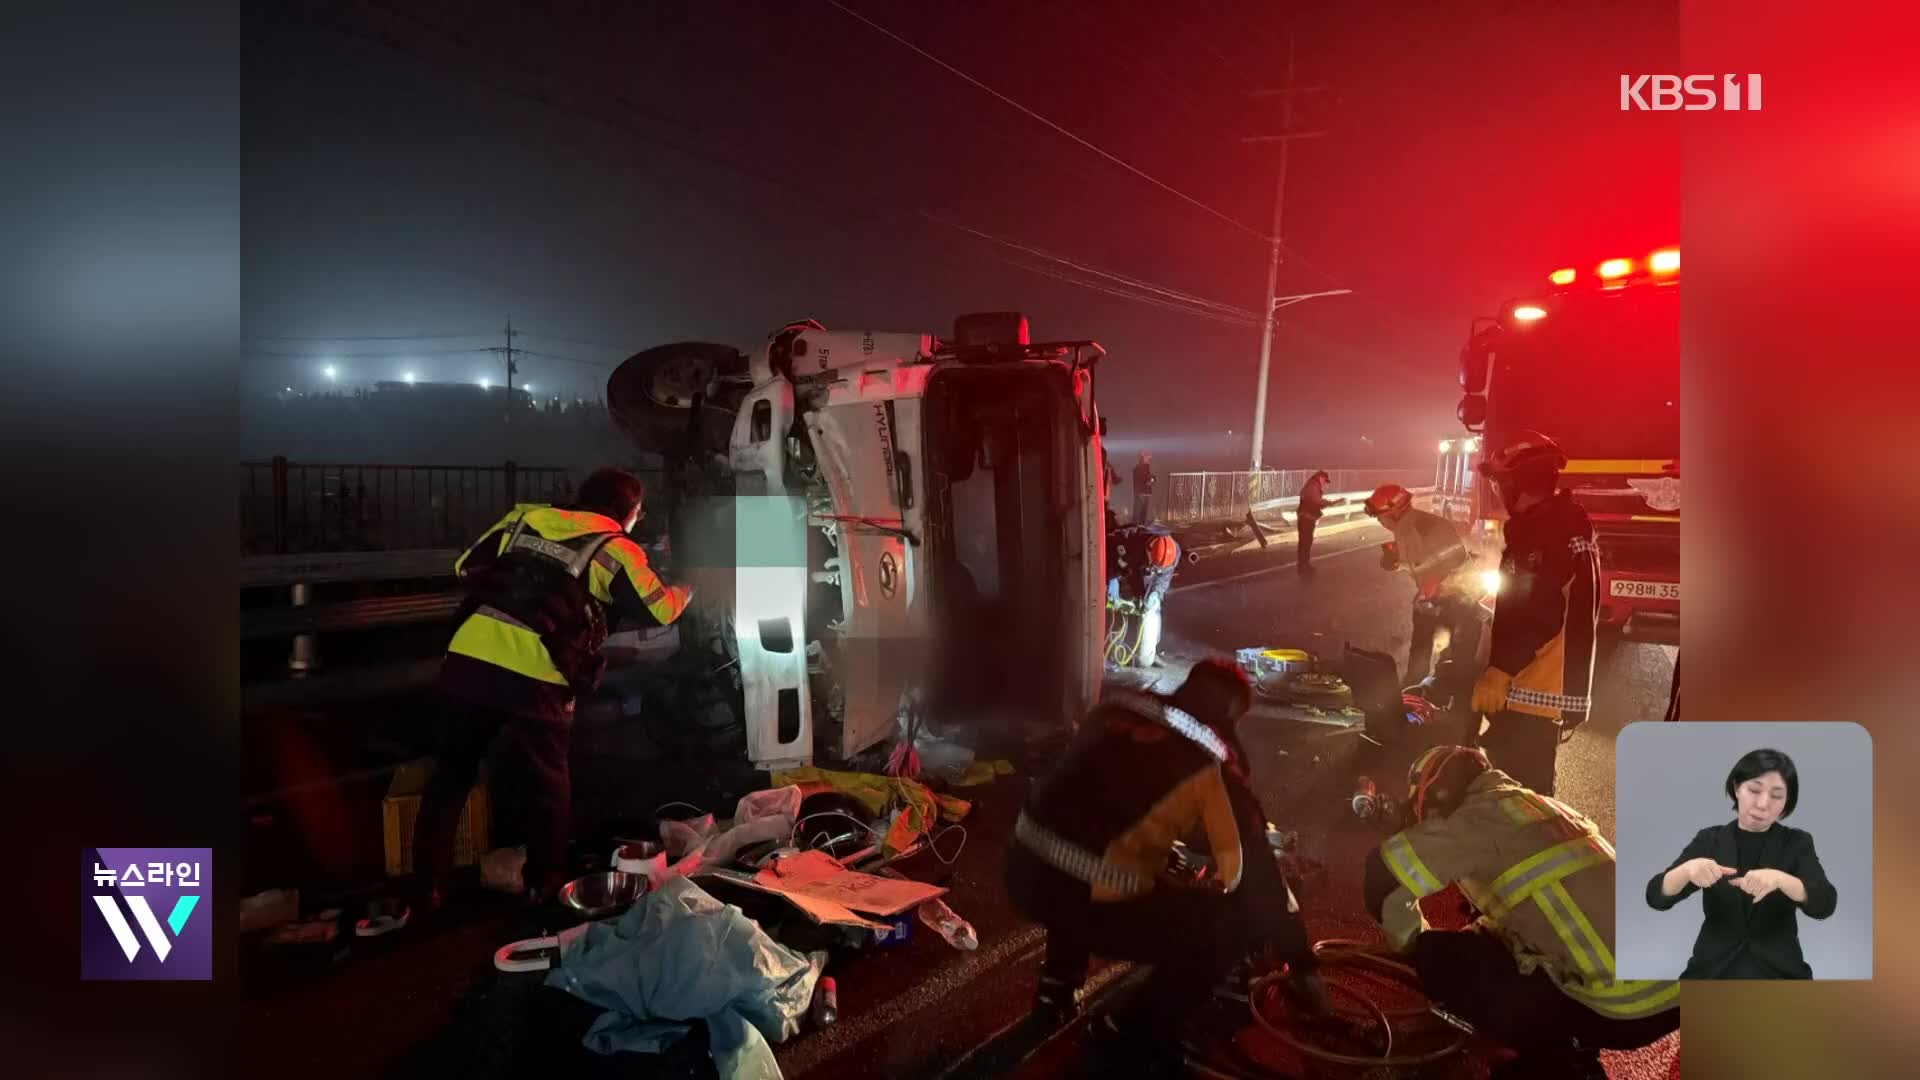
(1141, 560)
(1091, 854)
(530, 640)
(1539, 676)
(1536, 971)
(1435, 555)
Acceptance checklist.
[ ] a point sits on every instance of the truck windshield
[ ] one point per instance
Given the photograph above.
(1600, 375)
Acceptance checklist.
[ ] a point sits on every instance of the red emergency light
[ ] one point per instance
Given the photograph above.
(1529, 312)
(1563, 276)
(1665, 262)
(1614, 269)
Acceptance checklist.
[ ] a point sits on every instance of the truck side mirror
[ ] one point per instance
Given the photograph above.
(1472, 412)
(1475, 359)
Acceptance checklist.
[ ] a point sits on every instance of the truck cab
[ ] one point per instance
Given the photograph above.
(1594, 362)
(885, 529)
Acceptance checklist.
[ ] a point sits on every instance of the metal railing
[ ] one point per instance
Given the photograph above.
(1198, 498)
(291, 508)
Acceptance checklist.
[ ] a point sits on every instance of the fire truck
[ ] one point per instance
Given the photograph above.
(1593, 362)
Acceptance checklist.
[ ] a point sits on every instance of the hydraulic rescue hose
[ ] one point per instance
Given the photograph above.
(1264, 993)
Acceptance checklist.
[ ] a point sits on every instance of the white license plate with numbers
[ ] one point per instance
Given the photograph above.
(1645, 590)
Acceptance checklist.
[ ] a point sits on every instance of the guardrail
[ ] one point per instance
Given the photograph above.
(301, 508)
(1206, 498)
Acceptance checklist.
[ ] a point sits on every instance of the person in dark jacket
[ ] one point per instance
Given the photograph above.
(1755, 877)
(1313, 507)
(1538, 681)
(1092, 851)
(1143, 489)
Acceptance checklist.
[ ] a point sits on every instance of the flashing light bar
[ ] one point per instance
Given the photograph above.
(1529, 312)
(1613, 273)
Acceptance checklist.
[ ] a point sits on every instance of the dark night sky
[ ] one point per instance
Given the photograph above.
(625, 180)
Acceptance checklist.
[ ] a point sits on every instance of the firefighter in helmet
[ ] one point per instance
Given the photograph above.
(1535, 971)
(1093, 861)
(1143, 559)
(538, 585)
(1431, 550)
(1539, 676)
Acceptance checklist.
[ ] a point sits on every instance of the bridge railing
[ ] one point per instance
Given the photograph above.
(1204, 498)
(297, 508)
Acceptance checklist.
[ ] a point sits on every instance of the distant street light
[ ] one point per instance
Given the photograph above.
(330, 372)
(528, 387)
(407, 377)
(486, 384)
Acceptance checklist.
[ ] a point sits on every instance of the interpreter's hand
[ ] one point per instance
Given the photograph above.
(1704, 871)
(1490, 690)
(1758, 884)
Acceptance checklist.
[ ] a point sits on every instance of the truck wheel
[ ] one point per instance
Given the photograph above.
(651, 394)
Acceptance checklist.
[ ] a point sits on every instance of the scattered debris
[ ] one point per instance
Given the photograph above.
(264, 911)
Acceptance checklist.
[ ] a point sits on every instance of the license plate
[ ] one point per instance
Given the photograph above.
(1645, 590)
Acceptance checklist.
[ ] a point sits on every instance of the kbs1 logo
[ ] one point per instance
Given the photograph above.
(145, 914)
(1693, 93)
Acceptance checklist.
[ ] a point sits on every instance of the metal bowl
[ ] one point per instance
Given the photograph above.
(597, 895)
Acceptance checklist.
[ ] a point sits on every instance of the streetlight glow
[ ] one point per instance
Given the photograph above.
(486, 383)
(330, 372)
(407, 377)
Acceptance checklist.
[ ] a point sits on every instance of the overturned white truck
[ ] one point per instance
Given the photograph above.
(883, 529)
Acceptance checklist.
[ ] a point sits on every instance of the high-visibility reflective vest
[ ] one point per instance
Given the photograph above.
(1552, 906)
(587, 548)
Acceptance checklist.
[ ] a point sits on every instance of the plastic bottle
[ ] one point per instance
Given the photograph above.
(936, 915)
(826, 1001)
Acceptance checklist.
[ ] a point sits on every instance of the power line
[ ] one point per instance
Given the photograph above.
(1218, 317)
(368, 355)
(588, 342)
(1155, 181)
(1122, 279)
(603, 364)
(780, 182)
(384, 337)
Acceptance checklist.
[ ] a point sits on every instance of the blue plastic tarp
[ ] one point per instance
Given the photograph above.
(680, 955)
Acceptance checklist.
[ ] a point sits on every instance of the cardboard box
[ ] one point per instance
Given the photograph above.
(397, 811)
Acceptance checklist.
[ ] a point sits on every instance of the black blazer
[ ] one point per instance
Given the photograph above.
(1734, 921)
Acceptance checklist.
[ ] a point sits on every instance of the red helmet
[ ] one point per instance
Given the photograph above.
(1162, 552)
(1528, 450)
(1388, 499)
(1438, 779)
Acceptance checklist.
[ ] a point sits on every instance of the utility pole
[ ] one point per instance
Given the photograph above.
(1285, 139)
(513, 369)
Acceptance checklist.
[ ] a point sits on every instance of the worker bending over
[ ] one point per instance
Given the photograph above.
(1091, 855)
(534, 624)
(1535, 971)
(1434, 554)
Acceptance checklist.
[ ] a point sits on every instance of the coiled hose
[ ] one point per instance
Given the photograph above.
(1264, 994)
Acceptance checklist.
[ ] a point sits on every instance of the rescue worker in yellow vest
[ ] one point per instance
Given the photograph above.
(1432, 552)
(1091, 862)
(1535, 972)
(538, 586)
(1538, 683)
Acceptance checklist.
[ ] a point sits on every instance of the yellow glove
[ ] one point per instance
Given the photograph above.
(1490, 690)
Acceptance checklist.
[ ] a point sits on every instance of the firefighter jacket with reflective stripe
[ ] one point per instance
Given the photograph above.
(1432, 551)
(1548, 614)
(1141, 775)
(1541, 876)
(498, 660)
